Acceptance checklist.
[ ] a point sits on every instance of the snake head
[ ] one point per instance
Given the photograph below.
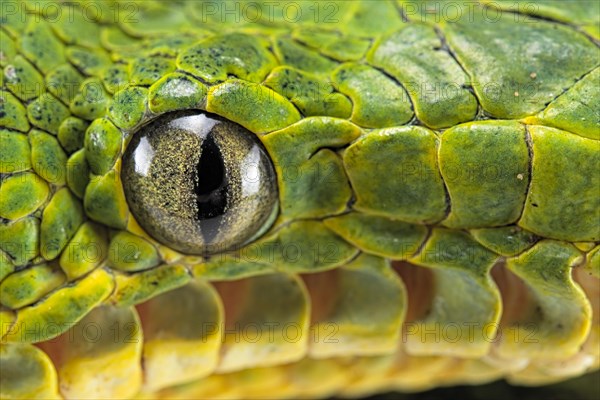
(212, 199)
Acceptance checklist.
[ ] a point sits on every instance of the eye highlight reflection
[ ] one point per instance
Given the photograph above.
(199, 183)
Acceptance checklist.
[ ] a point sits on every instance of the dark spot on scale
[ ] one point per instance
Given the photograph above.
(534, 204)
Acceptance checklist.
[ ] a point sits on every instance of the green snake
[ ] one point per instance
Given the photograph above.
(206, 199)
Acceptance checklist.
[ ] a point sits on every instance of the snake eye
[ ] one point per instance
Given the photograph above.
(199, 183)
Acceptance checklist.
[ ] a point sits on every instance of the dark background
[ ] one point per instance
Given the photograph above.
(586, 387)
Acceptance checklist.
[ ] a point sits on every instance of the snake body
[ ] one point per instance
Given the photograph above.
(437, 210)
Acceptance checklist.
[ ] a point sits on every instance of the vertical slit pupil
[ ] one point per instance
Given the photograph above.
(210, 188)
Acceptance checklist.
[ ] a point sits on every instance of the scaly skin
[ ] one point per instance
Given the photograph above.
(437, 185)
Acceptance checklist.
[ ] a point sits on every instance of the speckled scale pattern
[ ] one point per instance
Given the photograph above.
(395, 134)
